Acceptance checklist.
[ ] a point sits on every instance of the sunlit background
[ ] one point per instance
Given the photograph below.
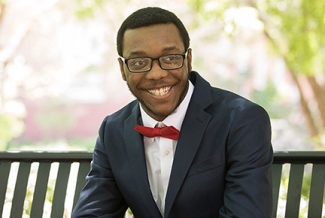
(59, 74)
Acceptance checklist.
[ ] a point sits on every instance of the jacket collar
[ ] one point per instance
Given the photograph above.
(136, 157)
(193, 128)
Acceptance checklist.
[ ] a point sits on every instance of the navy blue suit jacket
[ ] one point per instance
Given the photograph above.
(221, 168)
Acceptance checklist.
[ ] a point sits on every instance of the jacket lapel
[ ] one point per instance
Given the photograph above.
(136, 156)
(192, 131)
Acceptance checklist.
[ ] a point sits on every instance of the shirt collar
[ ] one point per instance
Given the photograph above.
(174, 119)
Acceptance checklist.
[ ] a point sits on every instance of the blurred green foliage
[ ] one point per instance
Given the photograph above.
(270, 98)
(296, 27)
(10, 126)
(87, 9)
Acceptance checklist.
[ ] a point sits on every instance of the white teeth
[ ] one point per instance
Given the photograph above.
(161, 91)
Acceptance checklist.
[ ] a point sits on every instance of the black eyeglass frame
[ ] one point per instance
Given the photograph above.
(153, 59)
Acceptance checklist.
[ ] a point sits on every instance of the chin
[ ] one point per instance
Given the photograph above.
(165, 113)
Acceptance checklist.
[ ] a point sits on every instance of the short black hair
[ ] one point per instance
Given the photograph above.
(147, 17)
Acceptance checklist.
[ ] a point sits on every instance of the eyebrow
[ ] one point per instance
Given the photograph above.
(140, 52)
(170, 48)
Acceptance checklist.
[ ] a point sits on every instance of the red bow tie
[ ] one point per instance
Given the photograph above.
(166, 131)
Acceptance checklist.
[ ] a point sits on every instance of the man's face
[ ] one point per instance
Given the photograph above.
(159, 91)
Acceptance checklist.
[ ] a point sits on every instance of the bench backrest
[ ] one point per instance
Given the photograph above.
(50, 183)
(16, 194)
(306, 167)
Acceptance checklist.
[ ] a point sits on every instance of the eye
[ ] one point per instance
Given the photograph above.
(170, 57)
(137, 62)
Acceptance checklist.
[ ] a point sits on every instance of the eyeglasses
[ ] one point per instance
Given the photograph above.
(144, 64)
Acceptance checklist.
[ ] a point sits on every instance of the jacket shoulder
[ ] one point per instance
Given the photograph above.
(215, 100)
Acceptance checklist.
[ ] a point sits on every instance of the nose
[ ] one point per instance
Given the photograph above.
(156, 73)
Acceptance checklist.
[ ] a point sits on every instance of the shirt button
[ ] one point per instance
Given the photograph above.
(166, 152)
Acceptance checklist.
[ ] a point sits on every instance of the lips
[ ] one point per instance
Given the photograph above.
(160, 92)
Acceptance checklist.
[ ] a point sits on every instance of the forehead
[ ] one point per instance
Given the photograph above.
(152, 40)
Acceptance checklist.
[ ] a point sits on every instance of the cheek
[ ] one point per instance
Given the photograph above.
(184, 75)
(132, 79)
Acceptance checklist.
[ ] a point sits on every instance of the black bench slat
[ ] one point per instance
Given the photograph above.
(60, 190)
(276, 181)
(83, 170)
(20, 189)
(296, 159)
(294, 190)
(40, 192)
(316, 191)
(4, 176)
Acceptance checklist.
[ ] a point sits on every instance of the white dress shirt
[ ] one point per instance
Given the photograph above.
(159, 151)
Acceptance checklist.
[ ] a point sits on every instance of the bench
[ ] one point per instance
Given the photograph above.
(43, 184)
(302, 168)
(68, 167)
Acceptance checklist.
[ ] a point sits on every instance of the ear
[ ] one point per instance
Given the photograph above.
(189, 59)
(122, 68)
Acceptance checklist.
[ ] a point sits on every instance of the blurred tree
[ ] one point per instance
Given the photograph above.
(10, 124)
(295, 31)
(12, 39)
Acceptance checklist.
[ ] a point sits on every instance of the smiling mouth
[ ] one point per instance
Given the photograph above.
(160, 92)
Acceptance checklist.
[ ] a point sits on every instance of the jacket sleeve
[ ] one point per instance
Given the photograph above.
(100, 197)
(248, 191)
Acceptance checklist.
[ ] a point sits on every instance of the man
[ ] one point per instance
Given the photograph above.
(217, 165)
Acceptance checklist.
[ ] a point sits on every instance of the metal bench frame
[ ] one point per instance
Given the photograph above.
(296, 160)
